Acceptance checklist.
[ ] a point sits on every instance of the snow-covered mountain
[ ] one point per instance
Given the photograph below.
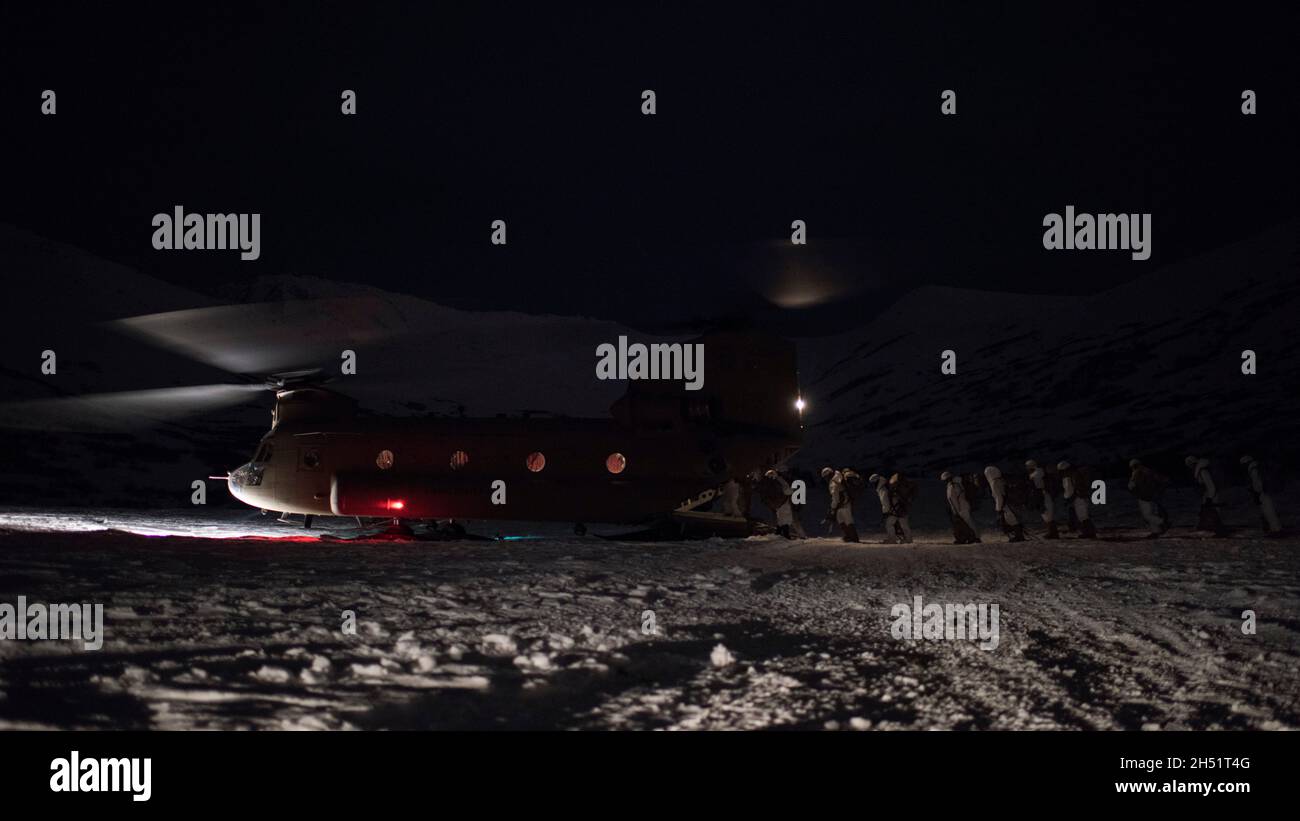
(1151, 366)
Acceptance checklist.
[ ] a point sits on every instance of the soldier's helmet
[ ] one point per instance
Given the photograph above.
(946, 475)
(826, 472)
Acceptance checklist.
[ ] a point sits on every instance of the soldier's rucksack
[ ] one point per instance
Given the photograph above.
(904, 488)
(1082, 481)
(854, 484)
(1217, 476)
(1017, 490)
(1148, 484)
(902, 492)
(1035, 500)
(1052, 484)
(973, 489)
(771, 492)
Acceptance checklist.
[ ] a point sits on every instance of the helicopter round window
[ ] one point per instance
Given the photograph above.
(459, 459)
(536, 461)
(615, 463)
(384, 460)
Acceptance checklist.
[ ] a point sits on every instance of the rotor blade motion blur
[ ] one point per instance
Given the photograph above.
(122, 411)
(267, 337)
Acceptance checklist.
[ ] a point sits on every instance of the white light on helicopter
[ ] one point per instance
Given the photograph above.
(799, 404)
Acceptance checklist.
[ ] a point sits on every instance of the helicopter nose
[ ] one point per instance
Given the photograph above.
(244, 484)
(235, 482)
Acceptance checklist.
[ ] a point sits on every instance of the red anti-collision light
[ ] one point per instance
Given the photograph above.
(396, 504)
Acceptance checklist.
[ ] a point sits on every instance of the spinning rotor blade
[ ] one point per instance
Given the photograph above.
(269, 337)
(121, 411)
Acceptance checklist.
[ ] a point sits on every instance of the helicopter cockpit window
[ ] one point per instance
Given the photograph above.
(615, 463)
(264, 453)
(459, 459)
(536, 461)
(384, 460)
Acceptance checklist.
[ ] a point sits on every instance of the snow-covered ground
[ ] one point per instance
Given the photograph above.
(550, 631)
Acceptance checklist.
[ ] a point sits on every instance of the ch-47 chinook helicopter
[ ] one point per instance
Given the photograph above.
(661, 451)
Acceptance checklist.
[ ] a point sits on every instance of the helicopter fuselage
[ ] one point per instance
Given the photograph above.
(663, 446)
(508, 468)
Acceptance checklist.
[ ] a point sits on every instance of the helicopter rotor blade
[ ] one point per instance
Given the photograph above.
(124, 410)
(269, 337)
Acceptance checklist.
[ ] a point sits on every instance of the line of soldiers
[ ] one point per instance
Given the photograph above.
(1014, 498)
(1148, 485)
(895, 496)
(1039, 491)
(1036, 491)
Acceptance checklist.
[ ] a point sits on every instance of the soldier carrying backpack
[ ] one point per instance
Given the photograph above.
(1209, 518)
(1018, 490)
(853, 483)
(963, 527)
(1045, 491)
(1147, 486)
(888, 515)
(902, 493)
(775, 492)
(1260, 481)
(1074, 489)
(841, 509)
(1008, 519)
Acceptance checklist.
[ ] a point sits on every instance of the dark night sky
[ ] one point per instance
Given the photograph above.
(532, 115)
